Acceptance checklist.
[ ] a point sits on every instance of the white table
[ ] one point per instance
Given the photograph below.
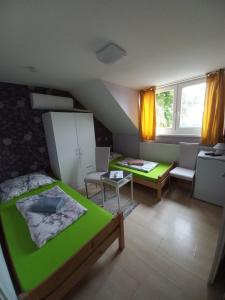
(117, 183)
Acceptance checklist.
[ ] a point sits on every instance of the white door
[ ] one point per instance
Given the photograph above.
(67, 147)
(86, 144)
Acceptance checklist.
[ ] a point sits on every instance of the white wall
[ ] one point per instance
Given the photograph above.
(127, 144)
(162, 152)
(127, 98)
(159, 152)
(6, 288)
(96, 97)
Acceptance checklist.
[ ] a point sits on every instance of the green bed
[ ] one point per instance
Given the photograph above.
(33, 265)
(153, 175)
(155, 179)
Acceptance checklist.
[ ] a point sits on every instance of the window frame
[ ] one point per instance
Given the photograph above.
(176, 130)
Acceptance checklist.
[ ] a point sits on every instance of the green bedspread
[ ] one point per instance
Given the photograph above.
(33, 265)
(153, 175)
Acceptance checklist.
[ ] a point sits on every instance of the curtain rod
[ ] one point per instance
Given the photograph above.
(152, 88)
(181, 81)
(214, 72)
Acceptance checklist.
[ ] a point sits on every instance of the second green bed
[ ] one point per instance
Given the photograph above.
(155, 179)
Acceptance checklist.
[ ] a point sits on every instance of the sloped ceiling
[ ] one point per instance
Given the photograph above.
(97, 97)
(128, 100)
(165, 40)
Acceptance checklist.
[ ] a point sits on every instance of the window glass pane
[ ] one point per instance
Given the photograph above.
(192, 105)
(164, 109)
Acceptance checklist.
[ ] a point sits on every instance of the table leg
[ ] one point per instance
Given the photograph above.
(86, 189)
(132, 188)
(118, 197)
(103, 193)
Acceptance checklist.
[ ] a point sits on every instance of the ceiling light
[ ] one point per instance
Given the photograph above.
(110, 53)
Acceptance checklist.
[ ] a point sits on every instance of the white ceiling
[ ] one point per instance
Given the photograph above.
(165, 40)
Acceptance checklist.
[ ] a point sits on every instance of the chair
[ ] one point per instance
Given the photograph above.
(102, 163)
(187, 162)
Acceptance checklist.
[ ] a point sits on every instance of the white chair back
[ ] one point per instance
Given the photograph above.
(102, 158)
(188, 155)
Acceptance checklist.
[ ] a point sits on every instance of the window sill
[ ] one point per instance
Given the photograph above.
(175, 138)
(178, 135)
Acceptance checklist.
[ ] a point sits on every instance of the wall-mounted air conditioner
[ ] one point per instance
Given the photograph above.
(49, 102)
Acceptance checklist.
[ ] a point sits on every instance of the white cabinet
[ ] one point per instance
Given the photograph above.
(71, 145)
(210, 179)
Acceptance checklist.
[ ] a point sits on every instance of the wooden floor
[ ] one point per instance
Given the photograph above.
(168, 253)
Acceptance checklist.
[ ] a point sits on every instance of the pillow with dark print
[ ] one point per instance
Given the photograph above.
(22, 184)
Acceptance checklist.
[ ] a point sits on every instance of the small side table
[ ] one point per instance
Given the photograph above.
(117, 183)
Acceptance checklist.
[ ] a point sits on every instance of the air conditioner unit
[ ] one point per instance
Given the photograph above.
(49, 102)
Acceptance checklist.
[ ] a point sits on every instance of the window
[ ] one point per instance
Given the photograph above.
(165, 106)
(179, 108)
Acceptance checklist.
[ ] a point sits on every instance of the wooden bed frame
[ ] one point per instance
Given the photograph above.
(159, 184)
(70, 273)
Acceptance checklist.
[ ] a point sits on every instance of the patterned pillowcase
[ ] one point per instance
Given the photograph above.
(22, 184)
(45, 226)
(38, 179)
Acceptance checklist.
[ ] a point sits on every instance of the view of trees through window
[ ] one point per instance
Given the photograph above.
(192, 104)
(164, 107)
(179, 108)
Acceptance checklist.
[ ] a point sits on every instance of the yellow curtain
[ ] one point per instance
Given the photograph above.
(213, 117)
(147, 114)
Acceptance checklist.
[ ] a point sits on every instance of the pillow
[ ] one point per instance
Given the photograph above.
(22, 184)
(50, 205)
(37, 179)
(137, 162)
(114, 155)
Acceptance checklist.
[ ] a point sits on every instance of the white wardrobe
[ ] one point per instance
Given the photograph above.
(71, 145)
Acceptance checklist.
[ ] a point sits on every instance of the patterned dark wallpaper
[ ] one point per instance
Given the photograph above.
(22, 140)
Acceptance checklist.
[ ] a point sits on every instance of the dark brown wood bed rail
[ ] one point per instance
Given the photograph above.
(70, 273)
